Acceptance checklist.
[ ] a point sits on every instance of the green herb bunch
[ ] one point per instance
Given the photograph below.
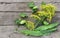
(42, 20)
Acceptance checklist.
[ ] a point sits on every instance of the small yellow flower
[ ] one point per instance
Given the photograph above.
(30, 25)
(36, 17)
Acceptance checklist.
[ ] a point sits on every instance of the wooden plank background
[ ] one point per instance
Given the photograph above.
(9, 11)
(21, 6)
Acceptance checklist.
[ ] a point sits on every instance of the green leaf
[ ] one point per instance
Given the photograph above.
(43, 3)
(49, 31)
(30, 25)
(37, 33)
(34, 11)
(45, 23)
(31, 33)
(31, 4)
(23, 22)
(22, 15)
(45, 27)
(17, 21)
(20, 22)
(35, 8)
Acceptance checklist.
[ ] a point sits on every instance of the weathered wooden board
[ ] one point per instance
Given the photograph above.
(22, 6)
(25, 0)
(14, 7)
(8, 18)
(53, 35)
(9, 11)
(29, 0)
(6, 31)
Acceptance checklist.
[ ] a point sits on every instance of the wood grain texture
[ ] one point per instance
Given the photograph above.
(6, 31)
(14, 7)
(25, 0)
(9, 11)
(22, 6)
(29, 0)
(8, 18)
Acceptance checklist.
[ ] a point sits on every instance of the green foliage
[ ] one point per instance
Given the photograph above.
(49, 11)
(49, 31)
(42, 30)
(42, 18)
(31, 4)
(38, 33)
(33, 7)
(45, 23)
(45, 27)
(32, 33)
(43, 3)
(36, 17)
(23, 15)
(23, 22)
(20, 22)
(17, 21)
(30, 25)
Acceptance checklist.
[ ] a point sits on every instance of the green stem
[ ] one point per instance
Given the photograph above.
(37, 23)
